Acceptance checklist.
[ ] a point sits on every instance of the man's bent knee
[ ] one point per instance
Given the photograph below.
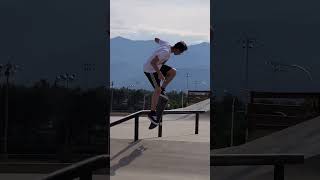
(157, 90)
(172, 72)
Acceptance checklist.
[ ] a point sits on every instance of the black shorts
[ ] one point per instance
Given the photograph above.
(153, 77)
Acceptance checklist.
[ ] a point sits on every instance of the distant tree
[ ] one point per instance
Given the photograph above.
(42, 83)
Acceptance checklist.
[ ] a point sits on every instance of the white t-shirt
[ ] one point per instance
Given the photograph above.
(163, 52)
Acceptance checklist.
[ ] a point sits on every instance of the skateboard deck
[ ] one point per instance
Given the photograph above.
(161, 106)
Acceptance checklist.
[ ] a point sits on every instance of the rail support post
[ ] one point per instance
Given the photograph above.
(160, 127)
(197, 124)
(136, 128)
(278, 172)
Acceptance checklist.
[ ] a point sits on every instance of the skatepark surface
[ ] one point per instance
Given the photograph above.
(178, 154)
(161, 160)
(304, 138)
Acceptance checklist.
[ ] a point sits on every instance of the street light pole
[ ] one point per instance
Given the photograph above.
(246, 44)
(10, 69)
(187, 76)
(181, 98)
(66, 78)
(88, 67)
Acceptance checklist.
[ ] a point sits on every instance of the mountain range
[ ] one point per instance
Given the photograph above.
(128, 56)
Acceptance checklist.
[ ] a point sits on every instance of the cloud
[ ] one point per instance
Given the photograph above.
(147, 30)
(143, 19)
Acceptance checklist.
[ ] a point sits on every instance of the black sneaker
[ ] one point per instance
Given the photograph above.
(163, 93)
(152, 126)
(153, 118)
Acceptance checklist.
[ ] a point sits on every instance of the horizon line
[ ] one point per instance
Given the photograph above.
(196, 43)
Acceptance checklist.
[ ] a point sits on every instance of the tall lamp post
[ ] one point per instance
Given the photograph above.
(232, 117)
(70, 78)
(187, 76)
(182, 98)
(9, 70)
(247, 43)
(87, 68)
(66, 78)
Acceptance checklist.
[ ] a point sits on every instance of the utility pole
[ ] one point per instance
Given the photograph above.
(187, 76)
(181, 98)
(247, 43)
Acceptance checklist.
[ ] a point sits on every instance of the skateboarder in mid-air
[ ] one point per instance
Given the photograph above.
(156, 71)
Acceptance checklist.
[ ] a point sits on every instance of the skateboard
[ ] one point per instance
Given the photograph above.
(161, 106)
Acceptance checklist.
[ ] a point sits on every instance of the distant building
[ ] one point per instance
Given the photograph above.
(197, 96)
(272, 111)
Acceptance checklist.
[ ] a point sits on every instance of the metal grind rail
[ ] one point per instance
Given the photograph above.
(136, 116)
(276, 160)
(83, 169)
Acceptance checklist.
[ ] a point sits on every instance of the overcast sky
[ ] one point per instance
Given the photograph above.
(171, 20)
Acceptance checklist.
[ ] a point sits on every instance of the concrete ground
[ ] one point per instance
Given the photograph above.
(179, 154)
(159, 160)
(304, 138)
(310, 170)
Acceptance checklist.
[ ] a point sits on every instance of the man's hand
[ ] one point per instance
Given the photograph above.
(161, 76)
(157, 40)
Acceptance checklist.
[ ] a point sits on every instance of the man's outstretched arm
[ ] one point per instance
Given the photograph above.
(157, 40)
